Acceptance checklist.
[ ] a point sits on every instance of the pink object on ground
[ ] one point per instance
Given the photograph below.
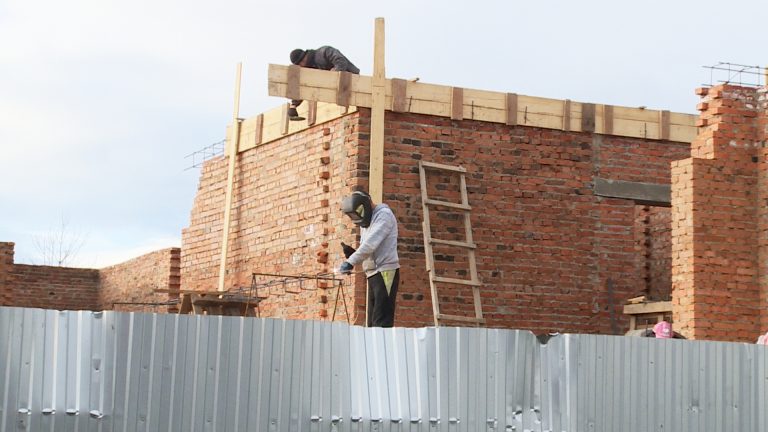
(663, 330)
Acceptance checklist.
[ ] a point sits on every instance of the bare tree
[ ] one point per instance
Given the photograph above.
(59, 246)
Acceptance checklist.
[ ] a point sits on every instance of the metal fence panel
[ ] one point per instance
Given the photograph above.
(111, 371)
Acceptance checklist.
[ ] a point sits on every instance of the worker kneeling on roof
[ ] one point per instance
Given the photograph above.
(378, 254)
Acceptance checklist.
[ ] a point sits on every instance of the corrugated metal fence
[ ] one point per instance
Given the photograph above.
(85, 371)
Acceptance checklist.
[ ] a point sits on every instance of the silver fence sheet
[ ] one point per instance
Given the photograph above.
(111, 371)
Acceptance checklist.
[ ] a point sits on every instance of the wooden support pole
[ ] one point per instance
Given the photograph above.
(235, 138)
(378, 88)
(608, 119)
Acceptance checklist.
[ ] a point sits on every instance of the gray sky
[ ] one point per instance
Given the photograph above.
(101, 100)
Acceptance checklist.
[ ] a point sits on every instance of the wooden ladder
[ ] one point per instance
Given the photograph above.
(468, 244)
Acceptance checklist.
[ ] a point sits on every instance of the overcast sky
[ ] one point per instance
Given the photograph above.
(101, 100)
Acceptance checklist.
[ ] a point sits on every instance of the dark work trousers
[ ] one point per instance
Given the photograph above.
(381, 307)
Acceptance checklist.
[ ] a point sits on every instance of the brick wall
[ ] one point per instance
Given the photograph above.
(552, 255)
(653, 248)
(65, 288)
(60, 288)
(715, 225)
(285, 220)
(134, 281)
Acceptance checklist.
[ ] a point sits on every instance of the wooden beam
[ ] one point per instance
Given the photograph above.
(343, 89)
(567, 115)
(650, 193)
(259, 129)
(587, 117)
(399, 90)
(488, 106)
(378, 99)
(664, 125)
(648, 308)
(608, 119)
(311, 113)
(294, 79)
(511, 109)
(233, 150)
(284, 120)
(457, 103)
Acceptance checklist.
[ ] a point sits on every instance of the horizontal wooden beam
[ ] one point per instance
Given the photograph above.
(647, 308)
(438, 100)
(650, 193)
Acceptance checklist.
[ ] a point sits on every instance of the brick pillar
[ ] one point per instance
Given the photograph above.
(6, 265)
(762, 203)
(715, 284)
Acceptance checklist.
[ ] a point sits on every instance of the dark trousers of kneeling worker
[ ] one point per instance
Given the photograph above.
(382, 292)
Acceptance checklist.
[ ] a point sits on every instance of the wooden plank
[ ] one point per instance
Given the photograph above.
(311, 113)
(567, 115)
(448, 204)
(664, 125)
(437, 166)
(343, 89)
(292, 92)
(399, 90)
(608, 119)
(454, 243)
(647, 308)
(233, 150)
(455, 281)
(457, 103)
(430, 99)
(258, 129)
(284, 120)
(446, 317)
(511, 111)
(587, 117)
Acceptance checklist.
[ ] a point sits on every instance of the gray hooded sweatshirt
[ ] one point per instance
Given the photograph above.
(378, 243)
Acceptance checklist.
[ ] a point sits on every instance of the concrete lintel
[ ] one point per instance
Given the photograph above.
(646, 193)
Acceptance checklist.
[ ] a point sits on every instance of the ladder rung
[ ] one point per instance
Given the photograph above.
(443, 167)
(461, 318)
(454, 243)
(447, 204)
(455, 281)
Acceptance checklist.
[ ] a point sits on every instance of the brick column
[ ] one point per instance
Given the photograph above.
(6, 265)
(715, 284)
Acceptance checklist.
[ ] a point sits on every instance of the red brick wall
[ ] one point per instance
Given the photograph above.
(716, 292)
(285, 220)
(552, 256)
(60, 288)
(6, 265)
(653, 247)
(134, 281)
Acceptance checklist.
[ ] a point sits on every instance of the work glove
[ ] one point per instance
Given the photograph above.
(348, 250)
(345, 268)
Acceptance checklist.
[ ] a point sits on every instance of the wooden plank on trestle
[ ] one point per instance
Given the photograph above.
(399, 89)
(511, 111)
(664, 125)
(294, 80)
(587, 117)
(457, 103)
(343, 89)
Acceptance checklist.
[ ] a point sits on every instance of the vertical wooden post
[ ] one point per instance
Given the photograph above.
(376, 165)
(233, 148)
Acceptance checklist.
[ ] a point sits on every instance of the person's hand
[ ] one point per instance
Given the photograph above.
(348, 250)
(345, 268)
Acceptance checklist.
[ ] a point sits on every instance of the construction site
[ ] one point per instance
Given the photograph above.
(537, 239)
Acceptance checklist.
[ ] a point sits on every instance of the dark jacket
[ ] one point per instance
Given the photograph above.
(329, 58)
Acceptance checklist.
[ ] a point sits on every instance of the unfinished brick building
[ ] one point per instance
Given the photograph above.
(570, 201)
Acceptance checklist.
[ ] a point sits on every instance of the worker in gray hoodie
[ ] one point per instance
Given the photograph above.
(378, 254)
